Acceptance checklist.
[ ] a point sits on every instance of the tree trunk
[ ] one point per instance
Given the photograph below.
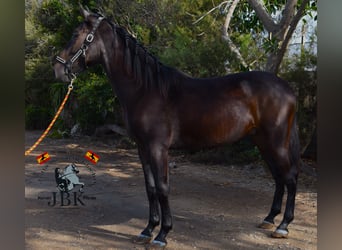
(226, 37)
(310, 151)
(282, 32)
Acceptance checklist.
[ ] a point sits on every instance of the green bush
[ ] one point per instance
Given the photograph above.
(302, 75)
(37, 117)
(237, 153)
(95, 102)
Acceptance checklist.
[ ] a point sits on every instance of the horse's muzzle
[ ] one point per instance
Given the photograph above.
(60, 73)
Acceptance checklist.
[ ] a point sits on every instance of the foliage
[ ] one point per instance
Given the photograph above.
(166, 29)
(302, 74)
(36, 117)
(239, 153)
(96, 103)
(194, 56)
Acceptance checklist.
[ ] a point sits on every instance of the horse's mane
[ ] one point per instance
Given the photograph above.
(148, 71)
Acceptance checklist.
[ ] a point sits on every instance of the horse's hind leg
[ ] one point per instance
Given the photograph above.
(282, 156)
(290, 177)
(284, 175)
(268, 222)
(291, 185)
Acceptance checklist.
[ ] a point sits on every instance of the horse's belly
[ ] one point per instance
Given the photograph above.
(214, 129)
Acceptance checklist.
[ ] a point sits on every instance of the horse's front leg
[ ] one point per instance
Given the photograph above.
(154, 218)
(159, 164)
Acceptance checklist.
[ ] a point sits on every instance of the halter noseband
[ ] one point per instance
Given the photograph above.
(84, 47)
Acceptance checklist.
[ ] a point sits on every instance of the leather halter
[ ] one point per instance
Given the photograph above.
(84, 47)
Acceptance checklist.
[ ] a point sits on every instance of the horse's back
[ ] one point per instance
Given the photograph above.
(244, 84)
(221, 110)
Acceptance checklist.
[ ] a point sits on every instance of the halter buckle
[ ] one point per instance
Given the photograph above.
(72, 79)
(89, 38)
(60, 59)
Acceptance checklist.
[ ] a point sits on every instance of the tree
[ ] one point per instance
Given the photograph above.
(282, 31)
(278, 18)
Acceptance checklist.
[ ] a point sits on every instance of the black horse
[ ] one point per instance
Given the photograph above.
(163, 107)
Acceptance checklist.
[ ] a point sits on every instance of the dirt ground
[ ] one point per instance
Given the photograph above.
(214, 206)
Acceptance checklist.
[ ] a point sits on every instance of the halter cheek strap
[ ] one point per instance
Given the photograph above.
(82, 51)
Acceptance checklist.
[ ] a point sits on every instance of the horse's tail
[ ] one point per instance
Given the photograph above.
(294, 146)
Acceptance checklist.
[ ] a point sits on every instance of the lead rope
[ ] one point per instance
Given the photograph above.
(70, 87)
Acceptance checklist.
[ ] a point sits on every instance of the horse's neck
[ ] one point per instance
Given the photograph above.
(125, 88)
(124, 85)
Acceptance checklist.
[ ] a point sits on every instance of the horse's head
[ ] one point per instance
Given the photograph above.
(82, 50)
(74, 168)
(71, 168)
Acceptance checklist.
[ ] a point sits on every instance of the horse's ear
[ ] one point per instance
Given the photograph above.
(85, 12)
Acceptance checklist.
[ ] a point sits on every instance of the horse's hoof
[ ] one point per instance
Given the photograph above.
(156, 244)
(266, 225)
(280, 233)
(142, 239)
